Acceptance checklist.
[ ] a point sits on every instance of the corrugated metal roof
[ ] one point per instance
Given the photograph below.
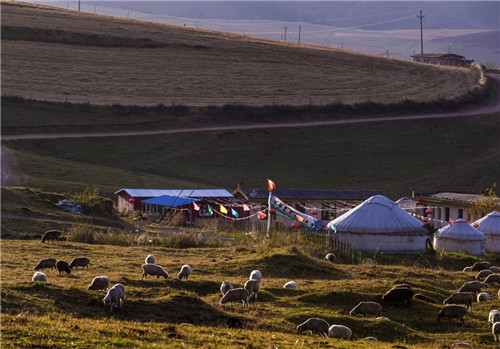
(170, 201)
(195, 193)
(311, 194)
(450, 196)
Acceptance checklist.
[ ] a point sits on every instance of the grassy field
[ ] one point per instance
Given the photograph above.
(174, 313)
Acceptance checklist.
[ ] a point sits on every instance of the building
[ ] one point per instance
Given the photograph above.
(443, 59)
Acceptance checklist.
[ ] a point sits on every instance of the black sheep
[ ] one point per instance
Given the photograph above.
(63, 266)
(398, 295)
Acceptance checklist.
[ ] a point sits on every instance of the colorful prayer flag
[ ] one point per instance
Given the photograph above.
(246, 208)
(223, 209)
(270, 185)
(210, 212)
(234, 213)
(261, 215)
(196, 207)
(299, 218)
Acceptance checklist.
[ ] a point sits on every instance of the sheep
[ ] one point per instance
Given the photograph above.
(225, 286)
(495, 269)
(39, 276)
(63, 266)
(314, 324)
(484, 297)
(496, 331)
(99, 283)
(185, 272)
(236, 294)
(253, 287)
(371, 339)
(461, 345)
(492, 278)
(366, 308)
(383, 318)
(473, 286)
(464, 298)
(234, 322)
(51, 235)
(402, 286)
(114, 297)
(481, 265)
(339, 331)
(330, 257)
(493, 317)
(255, 274)
(150, 259)
(483, 273)
(424, 298)
(398, 294)
(153, 269)
(452, 311)
(468, 268)
(46, 263)
(80, 262)
(291, 284)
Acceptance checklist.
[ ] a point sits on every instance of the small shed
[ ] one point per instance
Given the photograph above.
(443, 59)
(459, 236)
(489, 225)
(380, 225)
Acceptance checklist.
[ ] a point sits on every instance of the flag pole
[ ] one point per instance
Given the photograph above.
(269, 214)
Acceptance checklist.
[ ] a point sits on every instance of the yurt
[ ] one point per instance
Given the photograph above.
(380, 225)
(460, 237)
(489, 225)
(407, 204)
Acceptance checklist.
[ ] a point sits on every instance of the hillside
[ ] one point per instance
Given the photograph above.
(65, 56)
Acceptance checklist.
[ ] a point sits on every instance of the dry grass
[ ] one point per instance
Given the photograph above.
(59, 55)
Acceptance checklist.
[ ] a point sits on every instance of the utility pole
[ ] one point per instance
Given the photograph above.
(78, 5)
(299, 33)
(285, 33)
(421, 37)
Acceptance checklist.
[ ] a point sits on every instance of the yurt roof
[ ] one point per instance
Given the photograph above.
(406, 203)
(379, 214)
(489, 224)
(460, 230)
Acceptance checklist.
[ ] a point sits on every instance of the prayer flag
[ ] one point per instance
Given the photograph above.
(261, 215)
(234, 213)
(196, 207)
(246, 208)
(299, 218)
(223, 209)
(210, 212)
(270, 185)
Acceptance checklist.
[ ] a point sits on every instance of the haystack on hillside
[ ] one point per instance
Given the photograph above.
(460, 237)
(380, 225)
(489, 225)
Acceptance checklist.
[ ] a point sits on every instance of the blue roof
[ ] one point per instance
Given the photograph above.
(170, 201)
(193, 193)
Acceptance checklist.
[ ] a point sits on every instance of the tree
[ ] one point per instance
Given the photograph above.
(485, 203)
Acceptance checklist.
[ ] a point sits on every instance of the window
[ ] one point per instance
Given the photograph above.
(461, 213)
(447, 214)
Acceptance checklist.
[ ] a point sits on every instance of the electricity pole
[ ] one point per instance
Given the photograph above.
(421, 37)
(299, 33)
(285, 33)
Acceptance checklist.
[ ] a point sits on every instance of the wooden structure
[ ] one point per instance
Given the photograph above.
(443, 59)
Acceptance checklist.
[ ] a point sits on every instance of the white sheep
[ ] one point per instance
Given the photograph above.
(464, 298)
(339, 331)
(492, 278)
(496, 331)
(330, 257)
(468, 268)
(484, 297)
(494, 316)
(252, 286)
(483, 273)
(255, 274)
(291, 284)
(99, 283)
(371, 339)
(473, 286)
(150, 259)
(39, 276)
(153, 269)
(236, 294)
(452, 311)
(314, 324)
(114, 297)
(495, 269)
(366, 308)
(185, 272)
(225, 286)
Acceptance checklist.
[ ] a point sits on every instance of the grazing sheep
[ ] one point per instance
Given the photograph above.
(255, 274)
(496, 331)
(483, 273)
(461, 345)
(495, 269)
(99, 283)
(46, 263)
(481, 265)
(236, 294)
(330, 257)
(402, 286)
(493, 317)
(473, 286)
(114, 297)
(225, 286)
(424, 298)
(371, 339)
(397, 295)
(291, 284)
(468, 268)
(51, 235)
(234, 322)
(39, 276)
(153, 269)
(80, 262)
(339, 331)
(484, 297)
(492, 278)
(150, 259)
(185, 272)
(383, 318)
(464, 298)
(253, 287)
(366, 308)
(63, 266)
(452, 311)
(314, 324)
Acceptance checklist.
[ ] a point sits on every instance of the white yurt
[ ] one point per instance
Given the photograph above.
(380, 225)
(489, 225)
(407, 204)
(460, 237)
